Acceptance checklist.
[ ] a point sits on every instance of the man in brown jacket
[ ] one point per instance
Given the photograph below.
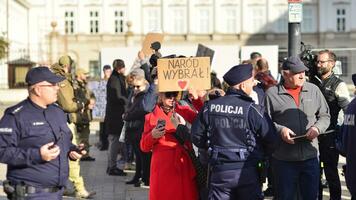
(69, 103)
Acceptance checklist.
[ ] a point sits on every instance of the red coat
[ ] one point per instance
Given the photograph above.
(172, 172)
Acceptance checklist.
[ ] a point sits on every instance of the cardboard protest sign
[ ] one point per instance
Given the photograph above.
(178, 74)
(149, 39)
(204, 51)
(99, 90)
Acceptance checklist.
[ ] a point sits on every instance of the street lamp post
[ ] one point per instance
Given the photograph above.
(295, 16)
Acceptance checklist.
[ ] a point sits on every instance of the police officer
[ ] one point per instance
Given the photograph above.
(348, 144)
(84, 116)
(337, 96)
(35, 141)
(233, 129)
(70, 104)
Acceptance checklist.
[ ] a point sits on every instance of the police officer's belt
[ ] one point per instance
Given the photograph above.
(32, 190)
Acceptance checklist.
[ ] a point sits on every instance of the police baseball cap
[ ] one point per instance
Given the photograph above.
(42, 73)
(294, 64)
(238, 74)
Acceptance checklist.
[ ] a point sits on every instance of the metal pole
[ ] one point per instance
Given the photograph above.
(294, 39)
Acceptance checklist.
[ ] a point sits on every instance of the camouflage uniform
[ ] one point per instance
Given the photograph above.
(83, 117)
(70, 104)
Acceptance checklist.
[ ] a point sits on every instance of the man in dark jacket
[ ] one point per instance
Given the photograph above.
(337, 96)
(116, 101)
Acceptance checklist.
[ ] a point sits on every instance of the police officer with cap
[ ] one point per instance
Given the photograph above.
(348, 144)
(233, 130)
(35, 141)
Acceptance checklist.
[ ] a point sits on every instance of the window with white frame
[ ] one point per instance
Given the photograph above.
(230, 20)
(152, 19)
(204, 20)
(307, 23)
(119, 21)
(258, 19)
(341, 19)
(178, 26)
(94, 21)
(69, 22)
(281, 23)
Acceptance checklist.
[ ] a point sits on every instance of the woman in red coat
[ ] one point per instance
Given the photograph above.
(172, 172)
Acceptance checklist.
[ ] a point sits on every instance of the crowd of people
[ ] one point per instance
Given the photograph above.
(242, 130)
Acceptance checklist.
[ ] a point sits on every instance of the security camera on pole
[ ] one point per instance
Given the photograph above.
(295, 16)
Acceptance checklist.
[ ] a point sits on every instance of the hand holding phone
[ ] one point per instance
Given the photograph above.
(161, 123)
(159, 130)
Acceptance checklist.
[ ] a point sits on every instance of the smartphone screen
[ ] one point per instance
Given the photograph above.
(161, 123)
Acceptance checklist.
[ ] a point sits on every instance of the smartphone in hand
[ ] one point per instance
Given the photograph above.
(161, 123)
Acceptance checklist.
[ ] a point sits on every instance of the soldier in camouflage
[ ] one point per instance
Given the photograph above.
(84, 116)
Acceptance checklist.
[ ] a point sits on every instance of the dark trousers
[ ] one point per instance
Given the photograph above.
(235, 184)
(138, 159)
(103, 136)
(146, 167)
(330, 158)
(288, 175)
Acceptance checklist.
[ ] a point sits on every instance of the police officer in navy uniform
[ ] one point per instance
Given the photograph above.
(35, 141)
(348, 144)
(235, 132)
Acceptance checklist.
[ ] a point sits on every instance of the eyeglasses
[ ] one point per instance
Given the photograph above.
(171, 94)
(322, 61)
(137, 86)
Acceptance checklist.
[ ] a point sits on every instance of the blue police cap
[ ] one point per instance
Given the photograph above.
(294, 64)
(354, 79)
(42, 73)
(238, 74)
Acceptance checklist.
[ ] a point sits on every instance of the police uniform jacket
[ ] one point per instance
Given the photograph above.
(348, 146)
(234, 130)
(26, 127)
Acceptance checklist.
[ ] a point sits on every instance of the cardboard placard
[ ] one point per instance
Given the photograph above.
(180, 74)
(99, 90)
(149, 39)
(204, 51)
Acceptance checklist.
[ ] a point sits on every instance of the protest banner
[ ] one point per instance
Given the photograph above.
(178, 74)
(99, 90)
(149, 39)
(204, 51)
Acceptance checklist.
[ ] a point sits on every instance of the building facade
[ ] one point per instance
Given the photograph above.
(82, 28)
(15, 29)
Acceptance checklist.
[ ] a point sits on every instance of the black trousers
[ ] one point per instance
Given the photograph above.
(103, 136)
(143, 163)
(330, 158)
